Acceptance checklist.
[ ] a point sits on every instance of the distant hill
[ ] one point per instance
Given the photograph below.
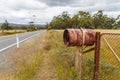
(0, 24)
(19, 25)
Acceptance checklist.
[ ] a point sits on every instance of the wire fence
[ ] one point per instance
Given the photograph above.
(110, 57)
(109, 65)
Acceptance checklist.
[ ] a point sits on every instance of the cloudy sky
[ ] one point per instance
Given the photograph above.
(42, 11)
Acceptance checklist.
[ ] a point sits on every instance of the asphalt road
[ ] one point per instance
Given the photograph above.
(10, 41)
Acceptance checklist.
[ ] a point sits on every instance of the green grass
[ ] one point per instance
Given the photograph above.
(61, 57)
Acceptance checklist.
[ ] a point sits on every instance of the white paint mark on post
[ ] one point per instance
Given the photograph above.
(17, 40)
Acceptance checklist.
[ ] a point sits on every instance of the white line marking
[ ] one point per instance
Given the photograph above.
(8, 47)
(19, 42)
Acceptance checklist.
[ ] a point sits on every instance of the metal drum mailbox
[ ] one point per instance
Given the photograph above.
(79, 37)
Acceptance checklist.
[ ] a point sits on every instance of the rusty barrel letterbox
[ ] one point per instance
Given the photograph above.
(79, 37)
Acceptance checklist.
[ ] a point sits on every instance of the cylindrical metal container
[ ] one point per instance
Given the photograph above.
(79, 37)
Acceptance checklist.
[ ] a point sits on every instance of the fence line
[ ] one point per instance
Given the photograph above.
(110, 56)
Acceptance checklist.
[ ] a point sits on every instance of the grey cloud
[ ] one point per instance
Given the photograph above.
(23, 4)
(107, 4)
(113, 7)
(71, 3)
(110, 7)
(57, 2)
(111, 1)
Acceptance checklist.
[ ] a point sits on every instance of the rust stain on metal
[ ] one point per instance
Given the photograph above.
(75, 37)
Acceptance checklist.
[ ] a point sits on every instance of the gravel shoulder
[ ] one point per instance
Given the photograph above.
(7, 57)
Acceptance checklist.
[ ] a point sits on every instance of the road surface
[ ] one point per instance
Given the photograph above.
(10, 41)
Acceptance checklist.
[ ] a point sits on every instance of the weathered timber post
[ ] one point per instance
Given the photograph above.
(97, 56)
(78, 61)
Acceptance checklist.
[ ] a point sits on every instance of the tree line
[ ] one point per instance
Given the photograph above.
(84, 19)
(30, 27)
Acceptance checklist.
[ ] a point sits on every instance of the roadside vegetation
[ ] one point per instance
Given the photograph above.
(61, 60)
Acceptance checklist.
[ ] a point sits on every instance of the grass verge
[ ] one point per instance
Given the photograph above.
(27, 60)
(62, 58)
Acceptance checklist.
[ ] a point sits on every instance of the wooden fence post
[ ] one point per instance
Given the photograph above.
(78, 62)
(97, 56)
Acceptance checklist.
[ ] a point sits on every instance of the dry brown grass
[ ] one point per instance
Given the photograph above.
(12, 30)
(9, 32)
(107, 30)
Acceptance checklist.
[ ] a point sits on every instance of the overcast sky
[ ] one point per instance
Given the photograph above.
(22, 11)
